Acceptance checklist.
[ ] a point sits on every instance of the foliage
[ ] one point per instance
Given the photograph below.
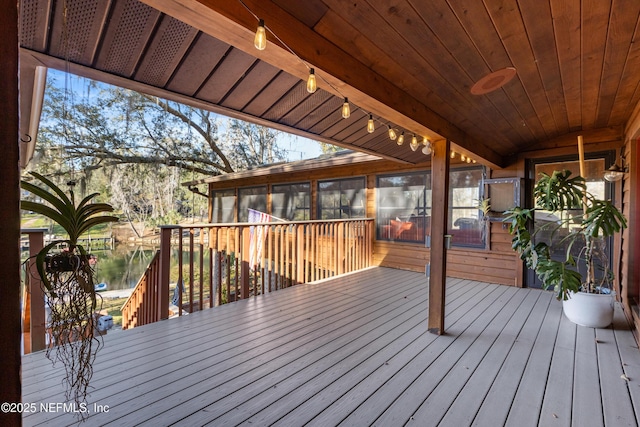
(600, 219)
(136, 149)
(68, 280)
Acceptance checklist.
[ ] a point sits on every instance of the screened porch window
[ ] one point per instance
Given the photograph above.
(224, 206)
(251, 198)
(341, 198)
(291, 201)
(403, 207)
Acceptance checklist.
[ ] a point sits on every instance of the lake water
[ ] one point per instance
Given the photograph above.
(122, 266)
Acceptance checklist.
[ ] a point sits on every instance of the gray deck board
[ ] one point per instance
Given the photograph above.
(354, 351)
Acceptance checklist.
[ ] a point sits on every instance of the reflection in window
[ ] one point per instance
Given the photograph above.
(466, 224)
(341, 199)
(251, 198)
(291, 201)
(403, 207)
(224, 206)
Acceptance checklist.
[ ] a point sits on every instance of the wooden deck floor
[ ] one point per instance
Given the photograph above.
(354, 351)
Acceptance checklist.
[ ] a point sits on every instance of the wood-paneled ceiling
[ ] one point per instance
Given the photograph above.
(409, 62)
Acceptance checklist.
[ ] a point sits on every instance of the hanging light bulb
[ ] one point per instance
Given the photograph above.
(473, 161)
(346, 109)
(468, 160)
(414, 143)
(311, 81)
(260, 40)
(427, 149)
(400, 140)
(370, 126)
(452, 154)
(462, 158)
(392, 134)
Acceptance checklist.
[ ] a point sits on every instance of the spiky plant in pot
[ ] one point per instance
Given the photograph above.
(68, 279)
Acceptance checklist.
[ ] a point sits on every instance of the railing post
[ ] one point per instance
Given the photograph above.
(165, 261)
(37, 310)
(244, 275)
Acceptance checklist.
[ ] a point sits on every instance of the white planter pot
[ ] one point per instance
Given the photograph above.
(591, 310)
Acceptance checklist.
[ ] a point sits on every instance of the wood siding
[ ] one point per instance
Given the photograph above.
(496, 263)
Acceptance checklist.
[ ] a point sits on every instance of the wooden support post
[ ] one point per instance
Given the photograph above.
(165, 264)
(10, 316)
(244, 275)
(439, 222)
(38, 330)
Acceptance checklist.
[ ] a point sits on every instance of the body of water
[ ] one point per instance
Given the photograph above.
(122, 266)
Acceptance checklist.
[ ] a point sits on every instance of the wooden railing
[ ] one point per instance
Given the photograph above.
(33, 309)
(214, 264)
(142, 306)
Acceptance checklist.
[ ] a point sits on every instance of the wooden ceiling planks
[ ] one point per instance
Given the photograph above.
(131, 26)
(623, 21)
(567, 31)
(594, 39)
(407, 61)
(204, 56)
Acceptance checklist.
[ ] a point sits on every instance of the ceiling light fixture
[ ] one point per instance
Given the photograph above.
(493, 81)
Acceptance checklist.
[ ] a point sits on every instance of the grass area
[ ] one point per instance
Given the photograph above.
(39, 221)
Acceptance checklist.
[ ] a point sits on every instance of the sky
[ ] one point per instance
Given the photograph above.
(297, 147)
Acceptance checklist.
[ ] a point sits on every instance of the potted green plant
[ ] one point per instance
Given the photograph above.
(66, 271)
(587, 299)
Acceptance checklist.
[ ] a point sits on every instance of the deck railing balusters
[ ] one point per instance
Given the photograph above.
(288, 253)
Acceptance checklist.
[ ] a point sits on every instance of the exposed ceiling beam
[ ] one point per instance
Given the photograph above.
(230, 22)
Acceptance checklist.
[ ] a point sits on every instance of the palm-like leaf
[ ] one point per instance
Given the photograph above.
(603, 218)
(560, 275)
(559, 192)
(75, 220)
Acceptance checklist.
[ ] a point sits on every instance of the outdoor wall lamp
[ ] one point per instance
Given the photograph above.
(615, 172)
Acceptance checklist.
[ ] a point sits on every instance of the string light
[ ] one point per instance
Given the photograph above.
(260, 40)
(346, 109)
(414, 143)
(392, 134)
(452, 154)
(311, 81)
(260, 43)
(370, 125)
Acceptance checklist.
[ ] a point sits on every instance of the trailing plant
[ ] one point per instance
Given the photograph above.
(559, 192)
(67, 275)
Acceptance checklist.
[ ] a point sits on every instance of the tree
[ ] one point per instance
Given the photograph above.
(137, 148)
